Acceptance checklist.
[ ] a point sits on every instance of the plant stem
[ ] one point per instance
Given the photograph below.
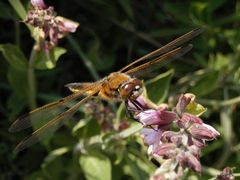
(85, 60)
(31, 80)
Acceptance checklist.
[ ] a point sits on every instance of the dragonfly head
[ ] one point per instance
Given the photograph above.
(131, 89)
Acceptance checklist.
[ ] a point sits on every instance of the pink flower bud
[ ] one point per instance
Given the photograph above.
(67, 25)
(156, 117)
(188, 119)
(173, 137)
(201, 143)
(183, 101)
(187, 160)
(203, 131)
(196, 151)
(38, 4)
(167, 150)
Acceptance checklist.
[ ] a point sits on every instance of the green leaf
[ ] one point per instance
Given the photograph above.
(15, 105)
(14, 56)
(96, 166)
(132, 167)
(54, 154)
(55, 169)
(135, 127)
(219, 61)
(18, 82)
(158, 87)
(205, 84)
(91, 129)
(19, 98)
(48, 60)
(18, 7)
(81, 123)
(195, 109)
(233, 38)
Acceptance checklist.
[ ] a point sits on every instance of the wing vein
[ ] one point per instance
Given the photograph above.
(168, 47)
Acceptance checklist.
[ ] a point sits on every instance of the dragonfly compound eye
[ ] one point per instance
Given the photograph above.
(137, 91)
(126, 90)
(131, 89)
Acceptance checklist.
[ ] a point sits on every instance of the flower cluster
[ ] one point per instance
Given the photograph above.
(48, 27)
(226, 174)
(179, 149)
(104, 116)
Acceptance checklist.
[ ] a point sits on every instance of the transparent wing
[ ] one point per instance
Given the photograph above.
(51, 126)
(159, 61)
(43, 114)
(168, 47)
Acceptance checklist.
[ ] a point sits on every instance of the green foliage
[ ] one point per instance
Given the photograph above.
(205, 83)
(113, 34)
(158, 87)
(48, 60)
(195, 109)
(95, 165)
(14, 56)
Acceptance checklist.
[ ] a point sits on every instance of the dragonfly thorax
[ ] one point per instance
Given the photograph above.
(118, 86)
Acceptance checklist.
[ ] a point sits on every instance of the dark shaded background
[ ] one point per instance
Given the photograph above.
(112, 34)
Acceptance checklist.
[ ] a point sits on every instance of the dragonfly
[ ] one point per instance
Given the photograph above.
(122, 85)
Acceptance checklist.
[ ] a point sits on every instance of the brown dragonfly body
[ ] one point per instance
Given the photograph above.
(116, 86)
(121, 85)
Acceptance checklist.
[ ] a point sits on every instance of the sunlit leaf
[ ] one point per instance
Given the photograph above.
(219, 61)
(95, 165)
(195, 109)
(135, 127)
(48, 60)
(56, 153)
(81, 123)
(18, 7)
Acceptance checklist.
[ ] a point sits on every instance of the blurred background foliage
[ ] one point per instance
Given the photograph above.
(111, 35)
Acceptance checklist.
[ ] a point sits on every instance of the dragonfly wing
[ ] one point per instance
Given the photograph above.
(85, 88)
(159, 61)
(168, 47)
(43, 114)
(50, 127)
